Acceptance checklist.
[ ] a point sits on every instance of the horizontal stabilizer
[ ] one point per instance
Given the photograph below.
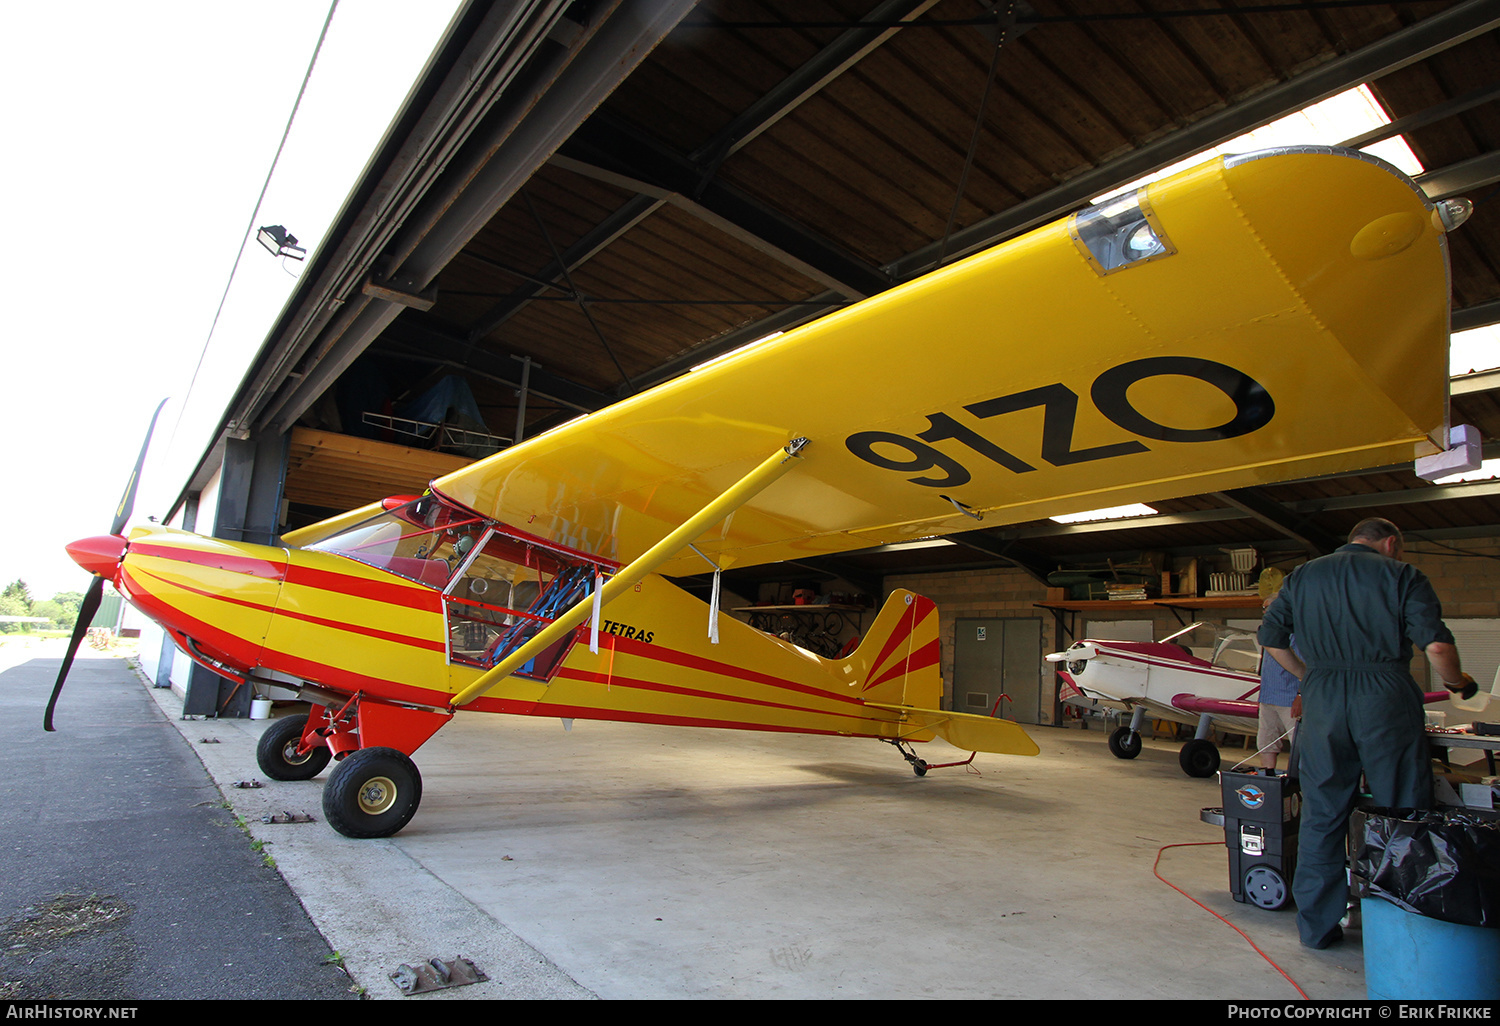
(967, 731)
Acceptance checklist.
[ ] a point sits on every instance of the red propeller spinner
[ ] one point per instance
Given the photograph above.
(99, 555)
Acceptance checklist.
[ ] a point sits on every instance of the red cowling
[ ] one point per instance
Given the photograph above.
(99, 555)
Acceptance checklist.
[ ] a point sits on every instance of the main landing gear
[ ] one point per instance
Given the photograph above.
(1198, 758)
(282, 755)
(372, 792)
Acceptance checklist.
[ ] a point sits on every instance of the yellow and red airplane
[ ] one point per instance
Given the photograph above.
(1259, 318)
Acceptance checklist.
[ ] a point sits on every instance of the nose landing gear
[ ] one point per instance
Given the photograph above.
(1125, 743)
(373, 791)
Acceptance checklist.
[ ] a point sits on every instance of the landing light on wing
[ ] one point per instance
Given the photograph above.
(1119, 234)
(1450, 213)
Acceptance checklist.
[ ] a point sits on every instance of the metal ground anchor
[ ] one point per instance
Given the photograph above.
(435, 974)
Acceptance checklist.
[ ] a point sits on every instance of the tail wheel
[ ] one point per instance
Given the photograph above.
(278, 756)
(374, 792)
(1125, 743)
(1199, 758)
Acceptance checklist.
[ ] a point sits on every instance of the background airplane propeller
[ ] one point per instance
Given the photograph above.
(91, 598)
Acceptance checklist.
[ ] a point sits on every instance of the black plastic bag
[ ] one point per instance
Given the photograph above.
(1439, 863)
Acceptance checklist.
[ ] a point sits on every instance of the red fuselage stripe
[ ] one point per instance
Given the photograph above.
(415, 596)
(1201, 670)
(586, 713)
(250, 566)
(340, 679)
(368, 632)
(694, 662)
(411, 596)
(238, 652)
(673, 689)
(339, 625)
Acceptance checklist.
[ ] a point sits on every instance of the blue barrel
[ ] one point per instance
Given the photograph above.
(1415, 957)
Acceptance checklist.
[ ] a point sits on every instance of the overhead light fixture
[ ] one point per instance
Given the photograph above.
(280, 242)
(1111, 513)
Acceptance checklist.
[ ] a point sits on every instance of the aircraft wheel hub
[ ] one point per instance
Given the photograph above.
(377, 795)
(292, 757)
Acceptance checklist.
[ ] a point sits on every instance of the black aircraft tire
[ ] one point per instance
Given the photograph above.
(277, 751)
(1199, 758)
(373, 792)
(1125, 743)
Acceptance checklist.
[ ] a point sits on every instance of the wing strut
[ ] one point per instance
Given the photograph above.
(740, 493)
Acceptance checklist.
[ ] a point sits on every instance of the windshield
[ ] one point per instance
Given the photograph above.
(1227, 647)
(422, 540)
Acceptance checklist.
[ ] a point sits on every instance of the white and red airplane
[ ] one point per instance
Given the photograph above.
(1214, 684)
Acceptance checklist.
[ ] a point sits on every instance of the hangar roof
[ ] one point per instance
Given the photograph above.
(599, 195)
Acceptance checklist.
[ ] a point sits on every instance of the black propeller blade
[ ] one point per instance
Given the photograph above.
(92, 597)
(127, 501)
(86, 613)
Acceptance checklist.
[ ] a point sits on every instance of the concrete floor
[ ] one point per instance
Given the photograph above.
(623, 861)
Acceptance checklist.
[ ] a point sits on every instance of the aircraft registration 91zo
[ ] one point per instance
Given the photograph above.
(1264, 317)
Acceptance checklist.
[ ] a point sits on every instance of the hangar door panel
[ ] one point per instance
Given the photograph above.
(995, 656)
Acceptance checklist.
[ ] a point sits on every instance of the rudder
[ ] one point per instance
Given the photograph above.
(898, 667)
(899, 660)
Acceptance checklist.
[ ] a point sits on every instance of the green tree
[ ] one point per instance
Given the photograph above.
(12, 606)
(69, 601)
(17, 590)
(51, 610)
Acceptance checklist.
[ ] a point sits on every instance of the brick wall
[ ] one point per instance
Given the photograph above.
(981, 593)
(1467, 585)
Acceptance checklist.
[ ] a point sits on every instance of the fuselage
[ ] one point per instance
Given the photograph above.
(342, 625)
(1168, 680)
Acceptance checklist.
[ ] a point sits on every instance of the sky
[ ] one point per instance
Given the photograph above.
(139, 138)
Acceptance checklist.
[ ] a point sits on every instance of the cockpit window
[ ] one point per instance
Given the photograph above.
(1226, 647)
(500, 587)
(423, 540)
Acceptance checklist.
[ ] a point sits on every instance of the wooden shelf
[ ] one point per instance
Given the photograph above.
(1218, 602)
(806, 607)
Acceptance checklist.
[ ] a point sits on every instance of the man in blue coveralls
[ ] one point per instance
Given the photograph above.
(1356, 613)
(1278, 701)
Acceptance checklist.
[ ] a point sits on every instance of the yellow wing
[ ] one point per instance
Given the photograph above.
(1254, 319)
